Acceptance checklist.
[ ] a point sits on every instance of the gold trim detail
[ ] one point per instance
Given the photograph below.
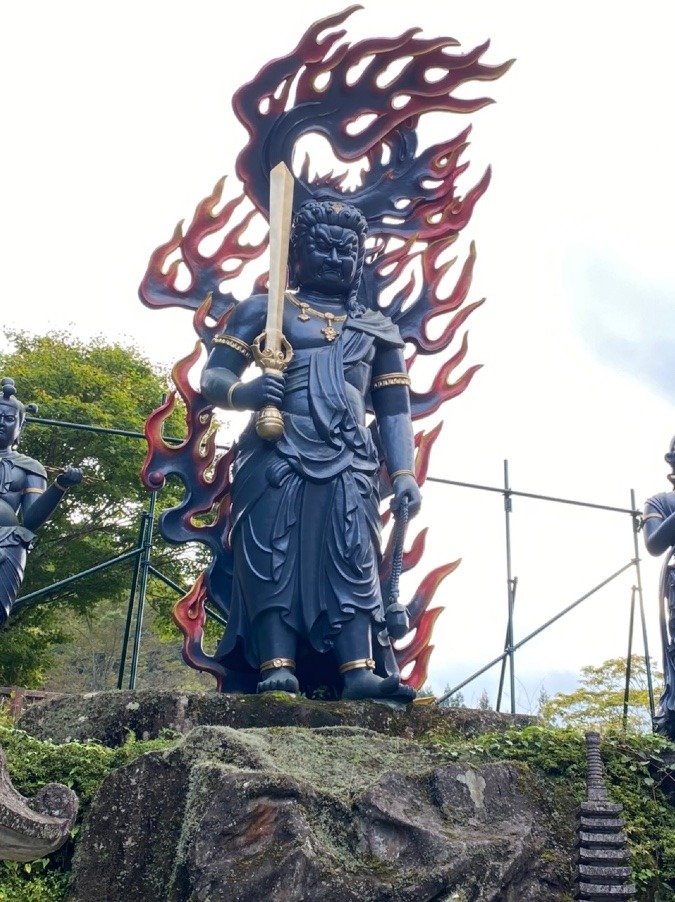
(33, 491)
(235, 343)
(359, 664)
(328, 332)
(390, 379)
(396, 473)
(228, 400)
(277, 663)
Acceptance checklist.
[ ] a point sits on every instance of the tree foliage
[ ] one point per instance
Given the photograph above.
(97, 384)
(598, 701)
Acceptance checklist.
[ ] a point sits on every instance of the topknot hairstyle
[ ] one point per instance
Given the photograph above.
(10, 399)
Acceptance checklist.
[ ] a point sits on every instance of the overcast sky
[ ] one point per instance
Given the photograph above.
(118, 120)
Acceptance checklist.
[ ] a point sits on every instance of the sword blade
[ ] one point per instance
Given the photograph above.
(281, 212)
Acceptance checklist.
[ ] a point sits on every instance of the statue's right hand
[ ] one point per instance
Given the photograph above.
(69, 476)
(260, 392)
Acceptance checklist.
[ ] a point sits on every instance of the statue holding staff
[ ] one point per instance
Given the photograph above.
(305, 508)
(291, 512)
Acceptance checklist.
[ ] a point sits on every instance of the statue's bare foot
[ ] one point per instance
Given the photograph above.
(363, 684)
(281, 679)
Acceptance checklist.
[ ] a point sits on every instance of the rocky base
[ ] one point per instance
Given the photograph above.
(331, 814)
(109, 717)
(293, 800)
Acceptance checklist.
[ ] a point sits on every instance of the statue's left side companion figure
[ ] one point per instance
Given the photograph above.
(25, 500)
(658, 527)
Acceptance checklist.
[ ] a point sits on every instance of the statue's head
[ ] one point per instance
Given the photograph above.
(12, 415)
(328, 249)
(670, 460)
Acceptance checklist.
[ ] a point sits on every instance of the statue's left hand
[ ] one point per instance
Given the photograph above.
(69, 476)
(405, 486)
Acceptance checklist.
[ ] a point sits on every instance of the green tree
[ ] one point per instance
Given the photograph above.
(89, 662)
(456, 700)
(598, 701)
(484, 701)
(95, 384)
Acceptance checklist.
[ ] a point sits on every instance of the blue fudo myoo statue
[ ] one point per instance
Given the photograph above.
(658, 527)
(25, 501)
(305, 515)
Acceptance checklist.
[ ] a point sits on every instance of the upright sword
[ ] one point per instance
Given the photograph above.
(271, 351)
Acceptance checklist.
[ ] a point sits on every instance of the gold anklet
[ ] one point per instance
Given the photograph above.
(277, 663)
(357, 665)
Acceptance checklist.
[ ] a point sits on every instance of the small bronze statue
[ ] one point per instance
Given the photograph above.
(658, 527)
(25, 501)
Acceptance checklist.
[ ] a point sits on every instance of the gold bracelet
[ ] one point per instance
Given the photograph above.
(229, 401)
(235, 343)
(359, 664)
(390, 379)
(277, 663)
(396, 473)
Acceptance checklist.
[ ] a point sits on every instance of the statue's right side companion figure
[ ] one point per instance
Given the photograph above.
(25, 501)
(658, 527)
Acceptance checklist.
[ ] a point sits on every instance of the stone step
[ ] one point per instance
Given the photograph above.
(599, 808)
(596, 824)
(589, 892)
(604, 873)
(602, 839)
(609, 856)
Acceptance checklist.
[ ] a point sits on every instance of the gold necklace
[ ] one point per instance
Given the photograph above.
(328, 332)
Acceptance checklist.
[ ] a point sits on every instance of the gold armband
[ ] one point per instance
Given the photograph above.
(387, 379)
(33, 491)
(235, 343)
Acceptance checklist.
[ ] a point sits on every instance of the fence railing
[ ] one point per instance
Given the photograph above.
(143, 569)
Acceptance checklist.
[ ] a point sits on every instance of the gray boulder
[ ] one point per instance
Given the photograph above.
(327, 814)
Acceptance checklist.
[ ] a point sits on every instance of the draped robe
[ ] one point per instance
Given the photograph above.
(305, 510)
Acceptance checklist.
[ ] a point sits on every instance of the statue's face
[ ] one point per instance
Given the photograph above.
(10, 426)
(327, 259)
